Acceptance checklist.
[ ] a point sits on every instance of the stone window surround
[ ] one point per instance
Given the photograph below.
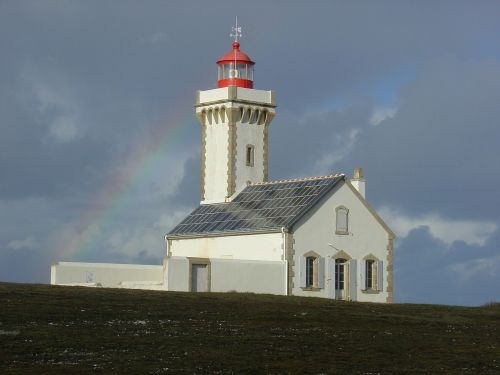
(249, 155)
(315, 287)
(337, 231)
(374, 289)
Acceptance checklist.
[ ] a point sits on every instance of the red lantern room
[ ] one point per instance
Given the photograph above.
(235, 69)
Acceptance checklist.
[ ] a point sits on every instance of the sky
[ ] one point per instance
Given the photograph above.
(100, 147)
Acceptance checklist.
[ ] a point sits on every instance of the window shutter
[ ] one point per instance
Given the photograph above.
(331, 273)
(302, 266)
(362, 274)
(353, 288)
(380, 276)
(321, 272)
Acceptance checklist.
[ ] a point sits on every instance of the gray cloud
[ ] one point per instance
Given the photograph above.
(439, 146)
(428, 271)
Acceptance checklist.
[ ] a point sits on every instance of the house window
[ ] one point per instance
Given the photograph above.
(370, 273)
(311, 272)
(249, 155)
(342, 220)
(373, 274)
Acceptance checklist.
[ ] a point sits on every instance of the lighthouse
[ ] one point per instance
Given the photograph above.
(313, 236)
(234, 119)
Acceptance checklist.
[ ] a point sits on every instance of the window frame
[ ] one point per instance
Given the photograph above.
(341, 230)
(350, 285)
(249, 155)
(312, 272)
(341, 264)
(377, 275)
(370, 274)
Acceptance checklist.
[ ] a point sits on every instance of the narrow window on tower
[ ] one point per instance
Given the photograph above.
(249, 155)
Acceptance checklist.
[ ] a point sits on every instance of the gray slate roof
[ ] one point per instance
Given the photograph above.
(265, 206)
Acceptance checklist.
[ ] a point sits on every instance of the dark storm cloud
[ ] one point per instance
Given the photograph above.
(188, 190)
(439, 148)
(428, 271)
(24, 266)
(86, 88)
(318, 140)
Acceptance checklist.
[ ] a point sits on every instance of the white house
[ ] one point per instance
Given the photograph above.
(314, 236)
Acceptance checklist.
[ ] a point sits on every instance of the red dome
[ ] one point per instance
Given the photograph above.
(237, 55)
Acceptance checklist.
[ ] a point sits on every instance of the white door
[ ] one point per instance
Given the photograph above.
(199, 278)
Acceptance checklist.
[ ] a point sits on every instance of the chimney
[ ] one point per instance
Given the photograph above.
(358, 181)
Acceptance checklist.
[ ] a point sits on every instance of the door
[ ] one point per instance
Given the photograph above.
(340, 278)
(199, 278)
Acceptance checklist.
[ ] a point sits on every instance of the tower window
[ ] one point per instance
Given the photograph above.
(250, 155)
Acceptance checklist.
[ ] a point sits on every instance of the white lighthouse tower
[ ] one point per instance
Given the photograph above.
(234, 122)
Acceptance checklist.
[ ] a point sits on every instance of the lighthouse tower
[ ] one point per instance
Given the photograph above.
(234, 120)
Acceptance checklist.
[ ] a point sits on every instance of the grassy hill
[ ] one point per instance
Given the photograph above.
(69, 330)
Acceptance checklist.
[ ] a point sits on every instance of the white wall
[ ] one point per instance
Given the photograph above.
(216, 161)
(317, 229)
(231, 275)
(265, 246)
(177, 274)
(253, 95)
(248, 276)
(246, 134)
(107, 275)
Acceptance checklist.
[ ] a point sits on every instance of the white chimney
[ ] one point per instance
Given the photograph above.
(358, 181)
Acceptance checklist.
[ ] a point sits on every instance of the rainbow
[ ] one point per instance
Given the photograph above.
(95, 223)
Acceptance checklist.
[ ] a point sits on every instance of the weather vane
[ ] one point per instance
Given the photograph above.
(236, 31)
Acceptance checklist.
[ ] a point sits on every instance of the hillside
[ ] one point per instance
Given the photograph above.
(70, 330)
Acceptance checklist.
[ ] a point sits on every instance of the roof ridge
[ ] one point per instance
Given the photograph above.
(298, 179)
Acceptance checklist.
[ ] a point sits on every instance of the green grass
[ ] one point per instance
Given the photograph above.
(71, 330)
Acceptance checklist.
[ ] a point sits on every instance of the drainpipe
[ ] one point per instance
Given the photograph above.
(166, 244)
(283, 232)
(165, 264)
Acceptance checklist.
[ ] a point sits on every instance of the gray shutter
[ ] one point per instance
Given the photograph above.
(331, 281)
(362, 274)
(321, 272)
(380, 276)
(353, 288)
(302, 265)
